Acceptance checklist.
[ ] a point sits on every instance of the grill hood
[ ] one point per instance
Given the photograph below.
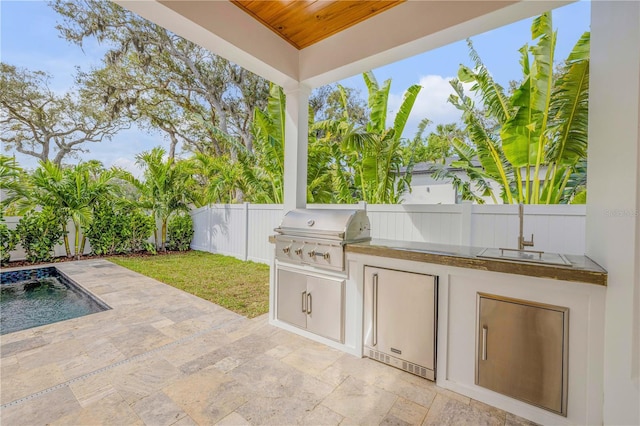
(341, 225)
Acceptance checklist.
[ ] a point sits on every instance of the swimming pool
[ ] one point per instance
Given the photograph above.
(34, 297)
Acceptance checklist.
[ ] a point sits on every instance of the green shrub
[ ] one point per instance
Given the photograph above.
(141, 226)
(8, 241)
(107, 233)
(118, 229)
(180, 232)
(38, 233)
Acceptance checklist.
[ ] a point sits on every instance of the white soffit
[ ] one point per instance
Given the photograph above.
(408, 29)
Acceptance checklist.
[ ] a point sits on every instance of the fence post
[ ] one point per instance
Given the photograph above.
(465, 225)
(209, 230)
(246, 231)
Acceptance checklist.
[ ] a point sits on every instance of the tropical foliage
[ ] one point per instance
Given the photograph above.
(345, 160)
(39, 232)
(435, 146)
(540, 138)
(8, 241)
(71, 193)
(266, 177)
(11, 180)
(118, 227)
(367, 160)
(164, 190)
(180, 232)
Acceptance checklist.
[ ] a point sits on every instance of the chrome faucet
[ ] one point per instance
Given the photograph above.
(522, 243)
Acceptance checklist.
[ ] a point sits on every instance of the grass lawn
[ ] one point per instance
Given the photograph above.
(242, 287)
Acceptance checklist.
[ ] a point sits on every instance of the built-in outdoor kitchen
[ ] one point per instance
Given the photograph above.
(517, 329)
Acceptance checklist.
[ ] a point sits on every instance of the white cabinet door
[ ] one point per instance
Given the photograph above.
(291, 298)
(326, 307)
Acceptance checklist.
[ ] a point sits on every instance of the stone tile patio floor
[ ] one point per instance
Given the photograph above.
(164, 357)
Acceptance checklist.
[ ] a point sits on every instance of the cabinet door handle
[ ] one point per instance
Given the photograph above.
(309, 303)
(485, 330)
(304, 301)
(374, 309)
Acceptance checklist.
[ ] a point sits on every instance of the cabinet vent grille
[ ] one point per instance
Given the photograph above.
(379, 356)
(406, 366)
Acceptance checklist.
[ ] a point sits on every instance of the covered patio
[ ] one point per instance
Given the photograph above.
(413, 27)
(164, 358)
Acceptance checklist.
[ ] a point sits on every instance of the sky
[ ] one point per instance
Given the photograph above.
(28, 38)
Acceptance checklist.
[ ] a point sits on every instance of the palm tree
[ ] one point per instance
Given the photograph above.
(542, 123)
(72, 193)
(165, 188)
(12, 180)
(216, 179)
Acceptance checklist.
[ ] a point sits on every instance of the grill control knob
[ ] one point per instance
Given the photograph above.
(325, 256)
(286, 249)
(298, 251)
(312, 254)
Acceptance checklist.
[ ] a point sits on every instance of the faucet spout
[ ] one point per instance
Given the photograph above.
(522, 243)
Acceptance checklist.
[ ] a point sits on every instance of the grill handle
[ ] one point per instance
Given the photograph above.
(304, 301)
(309, 303)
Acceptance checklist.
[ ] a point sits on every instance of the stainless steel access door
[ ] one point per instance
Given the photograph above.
(523, 350)
(311, 302)
(400, 314)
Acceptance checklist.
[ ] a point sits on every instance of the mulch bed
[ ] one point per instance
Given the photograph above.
(22, 263)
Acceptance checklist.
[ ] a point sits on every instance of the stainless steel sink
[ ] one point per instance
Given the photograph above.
(529, 256)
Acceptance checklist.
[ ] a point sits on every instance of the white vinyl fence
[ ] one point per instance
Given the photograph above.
(242, 230)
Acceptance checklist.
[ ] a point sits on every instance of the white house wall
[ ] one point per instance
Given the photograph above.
(427, 190)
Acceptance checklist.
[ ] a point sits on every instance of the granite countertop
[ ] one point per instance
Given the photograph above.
(581, 269)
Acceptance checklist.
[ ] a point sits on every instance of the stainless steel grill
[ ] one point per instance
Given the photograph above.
(317, 237)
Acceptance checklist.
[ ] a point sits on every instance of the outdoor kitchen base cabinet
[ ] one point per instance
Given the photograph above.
(400, 319)
(313, 303)
(522, 350)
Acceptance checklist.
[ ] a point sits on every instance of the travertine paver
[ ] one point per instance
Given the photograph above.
(164, 357)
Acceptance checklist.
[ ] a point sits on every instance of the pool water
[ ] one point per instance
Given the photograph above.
(34, 297)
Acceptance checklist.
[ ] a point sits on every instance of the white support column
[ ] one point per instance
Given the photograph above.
(295, 146)
(613, 220)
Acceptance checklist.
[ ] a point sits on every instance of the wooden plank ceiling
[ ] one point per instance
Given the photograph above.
(305, 22)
